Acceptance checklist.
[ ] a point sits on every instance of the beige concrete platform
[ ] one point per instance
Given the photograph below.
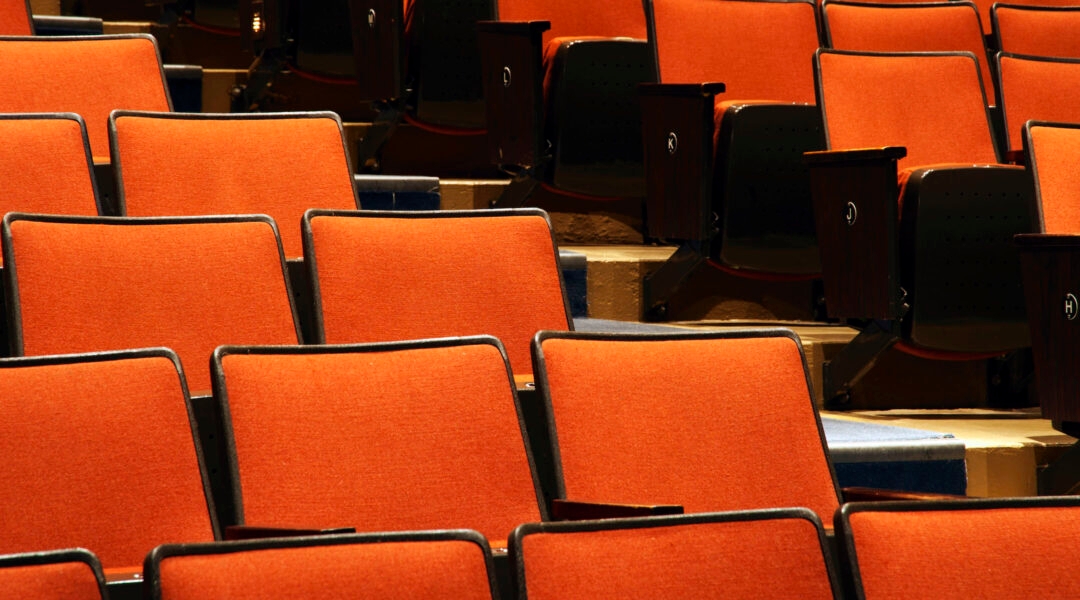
(1004, 448)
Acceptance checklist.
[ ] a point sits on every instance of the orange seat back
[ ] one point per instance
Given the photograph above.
(1042, 89)
(963, 549)
(15, 18)
(1043, 30)
(379, 438)
(931, 103)
(99, 453)
(274, 164)
(89, 76)
(741, 555)
(1053, 150)
(685, 420)
(760, 50)
(381, 276)
(53, 575)
(452, 564)
(190, 284)
(573, 19)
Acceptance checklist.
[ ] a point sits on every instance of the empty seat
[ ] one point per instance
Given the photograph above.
(99, 453)
(915, 220)
(53, 575)
(751, 554)
(439, 564)
(684, 419)
(906, 27)
(279, 164)
(1042, 30)
(1038, 88)
(89, 76)
(15, 18)
(47, 166)
(378, 437)
(1050, 268)
(724, 171)
(382, 276)
(999, 548)
(190, 284)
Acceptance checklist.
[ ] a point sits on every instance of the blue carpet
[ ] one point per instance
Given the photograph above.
(897, 458)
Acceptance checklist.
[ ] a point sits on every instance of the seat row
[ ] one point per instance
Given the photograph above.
(966, 549)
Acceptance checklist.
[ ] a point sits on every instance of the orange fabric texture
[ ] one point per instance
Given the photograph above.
(54, 581)
(1039, 32)
(98, 455)
(1043, 90)
(690, 422)
(434, 569)
(1055, 153)
(45, 168)
(909, 28)
(932, 105)
(396, 440)
(757, 49)
(383, 279)
(87, 76)
(15, 18)
(978, 554)
(190, 287)
(300, 164)
(572, 18)
(739, 560)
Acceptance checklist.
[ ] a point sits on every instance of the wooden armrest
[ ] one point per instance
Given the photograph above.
(529, 28)
(574, 510)
(1015, 157)
(378, 28)
(681, 90)
(252, 532)
(1047, 240)
(855, 155)
(864, 494)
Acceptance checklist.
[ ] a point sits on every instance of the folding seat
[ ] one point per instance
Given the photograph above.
(377, 437)
(915, 251)
(1044, 30)
(433, 564)
(80, 284)
(779, 553)
(278, 164)
(15, 18)
(724, 172)
(99, 452)
(1039, 88)
(89, 76)
(906, 27)
(382, 276)
(1050, 268)
(52, 575)
(689, 420)
(985, 548)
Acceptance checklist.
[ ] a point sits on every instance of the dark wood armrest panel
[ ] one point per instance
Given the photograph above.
(512, 63)
(1015, 157)
(252, 532)
(826, 157)
(378, 28)
(681, 90)
(855, 196)
(863, 494)
(677, 131)
(572, 510)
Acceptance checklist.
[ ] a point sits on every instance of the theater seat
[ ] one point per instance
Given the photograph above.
(916, 218)
(724, 171)
(53, 575)
(99, 453)
(686, 419)
(1043, 30)
(986, 548)
(1036, 88)
(431, 564)
(778, 553)
(377, 437)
